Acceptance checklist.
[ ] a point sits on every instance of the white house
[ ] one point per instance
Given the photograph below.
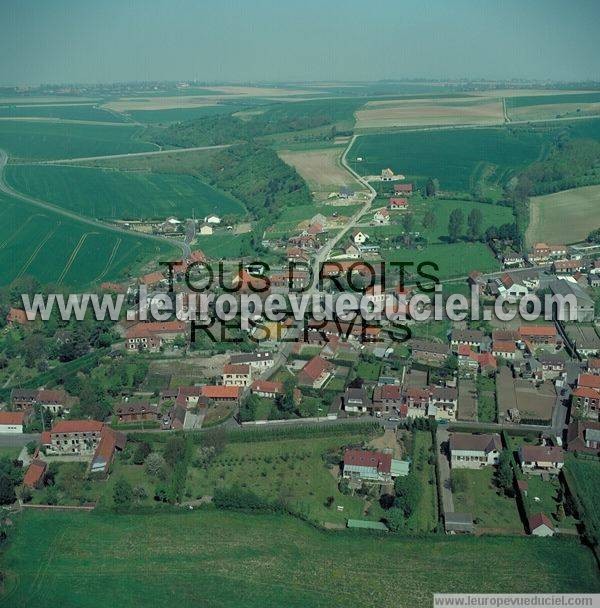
(212, 219)
(507, 286)
(468, 451)
(538, 458)
(359, 237)
(12, 422)
(540, 525)
(206, 230)
(382, 216)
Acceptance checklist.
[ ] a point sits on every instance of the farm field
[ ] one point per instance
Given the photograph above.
(458, 158)
(540, 107)
(475, 493)
(54, 248)
(547, 216)
(321, 168)
(121, 195)
(179, 114)
(46, 140)
(454, 259)
(421, 112)
(226, 559)
(60, 111)
(225, 245)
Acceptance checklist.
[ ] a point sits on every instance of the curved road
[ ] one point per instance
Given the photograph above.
(4, 187)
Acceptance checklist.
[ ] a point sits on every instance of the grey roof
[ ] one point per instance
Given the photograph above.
(592, 434)
(250, 357)
(565, 288)
(467, 335)
(458, 522)
(433, 347)
(470, 442)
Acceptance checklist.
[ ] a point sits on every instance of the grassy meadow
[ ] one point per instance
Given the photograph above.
(87, 112)
(458, 158)
(224, 559)
(121, 195)
(38, 140)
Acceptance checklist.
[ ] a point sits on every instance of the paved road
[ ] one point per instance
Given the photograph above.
(4, 187)
(131, 155)
(10, 440)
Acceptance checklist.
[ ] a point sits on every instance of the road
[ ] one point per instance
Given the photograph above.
(131, 155)
(10, 440)
(4, 187)
(444, 481)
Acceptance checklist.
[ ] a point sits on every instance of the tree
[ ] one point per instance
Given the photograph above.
(122, 493)
(429, 220)
(7, 490)
(139, 492)
(504, 472)
(474, 224)
(408, 222)
(560, 512)
(407, 494)
(395, 519)
(431, 187)
(175, 449)
(455, 224)
(156, 466)
(141, 452)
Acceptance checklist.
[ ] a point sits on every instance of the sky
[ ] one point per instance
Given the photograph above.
(102, 41)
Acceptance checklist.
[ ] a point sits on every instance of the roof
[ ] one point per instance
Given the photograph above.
(149, 329)
(432, 347)
(504, 346)
(469, 442)
(49, 396)
(403, 187)
(586, 392)
(221, 392)
(110, 440)
(23, 394)
(467, 335)
(542, 453)
(12, 418)
(266, 386)
(77, 426)
(250, 357)
(367, 525)
(46, 438)
(589, 381)
(540, 519)
(593, 363)
(151, 278)
(400, 202)
(366, 458)
(34, 473)
(134, 408)
(241, 369)
(387, 391)
(541, 331)
(316, 367)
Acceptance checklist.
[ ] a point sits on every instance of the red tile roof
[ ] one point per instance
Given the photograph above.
(366, 458)
(589, 381)
(539, 519)
(266, 386)
(585, 392)
(34, 473)
(542, 453)
(46, 438)
(398, 202)
(221, 392)
(504, 346)
(403, 187)
(232, 368)
(77, 426)
(151, 278)
(315, 368)
(545, 331)
(12, 418)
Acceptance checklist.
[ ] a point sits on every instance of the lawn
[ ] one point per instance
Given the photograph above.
(109, 194)
(212, 558)
(453, 260)
(46, 140)
(486, 402)
(52, 248)
(458, 158)
(425, 517)
(547, 216)
(226, 245)
(476, 494)
(368, 371)
(546, 492)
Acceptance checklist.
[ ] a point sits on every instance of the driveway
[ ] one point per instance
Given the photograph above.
(442, 436)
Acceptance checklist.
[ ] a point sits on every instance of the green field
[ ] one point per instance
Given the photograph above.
(226, 245)
(47, 140)
(54, 248)
(540, 107)
(458, 158)
(181, 114)
(547, 216)
(121, 195)
(65, 112)
(453, 259)
(224, 559)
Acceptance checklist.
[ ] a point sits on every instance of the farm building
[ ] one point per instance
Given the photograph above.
(540, 525)
(13, 422)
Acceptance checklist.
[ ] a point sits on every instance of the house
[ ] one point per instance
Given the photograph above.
(506, 349)
(584, 436)
(110, 442)
(416, 402)
(474, 451)
(387, 175)
(78, 437)
(346, 192)
(16, 316)
(34, 476)
(512, 259)
(295, 254)
(475, 279)
(315, 229)
(152, 336)
(568, 266)
(152, 279)
(315, 373)
(508, 287)
(586, 400)
(367, 465)
(291, 279)
(540, 525)
(443, 403)
(406, 189)
(23, 398)
(359, 237)
(397, 203)
(387, 398)
(205, 230)
(54, 400)
(266, 388)
(541, 253)
(471, 337)
(356, 400)
(212, 219)
(538, 458)
(127, 413)
(13, 422)
(553, 365)
(257, 361)
(237, 375)
(593, 366)
(429, 352)
(538, 335)
(221, 393)
(352, 251)
(594, 279)
(468, 362)
(382, 216)
(585, 309)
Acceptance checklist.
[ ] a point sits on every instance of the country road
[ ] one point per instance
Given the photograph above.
(4, 187)
(63, 161)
